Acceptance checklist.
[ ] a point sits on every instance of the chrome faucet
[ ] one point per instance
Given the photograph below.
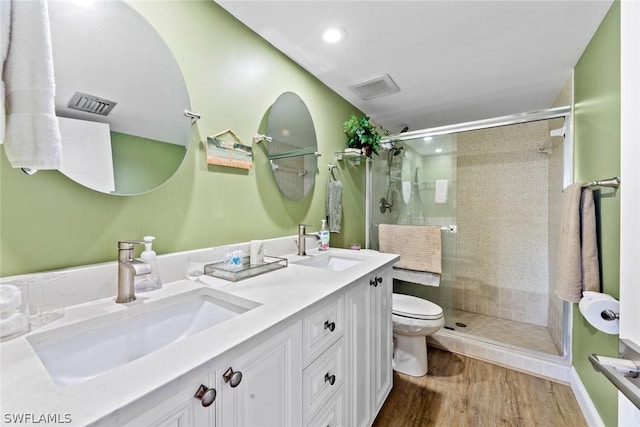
(128, 269)
(302, 235)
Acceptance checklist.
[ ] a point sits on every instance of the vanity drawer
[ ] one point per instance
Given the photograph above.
(322, 379)
(322, 326)
(332, 414)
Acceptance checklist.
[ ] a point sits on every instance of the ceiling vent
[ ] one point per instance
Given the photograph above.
(91, 104)
(375, 88)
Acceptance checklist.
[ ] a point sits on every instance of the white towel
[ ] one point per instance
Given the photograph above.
(406, 192)
(32, 137)
(333, 205)
(442, 190)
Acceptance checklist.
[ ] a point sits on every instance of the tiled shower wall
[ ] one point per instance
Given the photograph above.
(502, 217)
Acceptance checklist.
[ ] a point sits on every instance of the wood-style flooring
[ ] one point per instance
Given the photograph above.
(460, 391)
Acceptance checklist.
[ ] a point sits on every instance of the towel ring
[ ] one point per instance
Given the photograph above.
(331, 168)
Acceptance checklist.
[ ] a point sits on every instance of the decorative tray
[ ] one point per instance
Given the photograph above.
(270, 263)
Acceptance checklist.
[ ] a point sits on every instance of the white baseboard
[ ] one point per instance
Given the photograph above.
(584, 401)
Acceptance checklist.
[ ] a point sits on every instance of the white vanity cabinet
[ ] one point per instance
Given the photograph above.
(323, 353)
(368, 345)
(180, 410)
(268, 391)
(257, 384)
(328, 365)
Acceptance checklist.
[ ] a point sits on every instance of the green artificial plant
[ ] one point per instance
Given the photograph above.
(362, 134)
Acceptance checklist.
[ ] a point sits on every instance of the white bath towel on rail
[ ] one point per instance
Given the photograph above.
(419, 246)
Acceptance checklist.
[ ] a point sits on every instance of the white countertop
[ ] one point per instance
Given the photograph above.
(26, 389)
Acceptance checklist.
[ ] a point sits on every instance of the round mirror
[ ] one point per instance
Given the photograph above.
(120, 98)
(293, 149)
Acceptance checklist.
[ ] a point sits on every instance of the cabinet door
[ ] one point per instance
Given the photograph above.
(269, 392)
(359, 365)
(382, 338)
(180, 410)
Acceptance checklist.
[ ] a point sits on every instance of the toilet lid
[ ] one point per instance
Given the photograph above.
(417, 308)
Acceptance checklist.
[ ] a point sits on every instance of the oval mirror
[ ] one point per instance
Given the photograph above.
(120, 98)
(293, 149)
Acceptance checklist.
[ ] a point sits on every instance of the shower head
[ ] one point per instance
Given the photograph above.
(404, 129)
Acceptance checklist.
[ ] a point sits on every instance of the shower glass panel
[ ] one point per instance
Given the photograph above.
(404, 179)
(494, 192)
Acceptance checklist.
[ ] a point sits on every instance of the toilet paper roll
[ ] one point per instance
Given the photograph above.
(592, 306)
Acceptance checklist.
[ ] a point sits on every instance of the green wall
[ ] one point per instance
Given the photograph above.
(597, 156)
(233, 76)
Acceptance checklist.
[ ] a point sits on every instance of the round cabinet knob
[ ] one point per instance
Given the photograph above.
(373, 282)
(331, 326)
(379, 279)
(331, 379)
(206, 395)
(232, 377)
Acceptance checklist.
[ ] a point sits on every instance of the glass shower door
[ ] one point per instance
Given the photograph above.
(414, 183)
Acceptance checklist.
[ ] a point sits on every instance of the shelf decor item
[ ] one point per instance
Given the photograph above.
(232, 152)
(363, 135)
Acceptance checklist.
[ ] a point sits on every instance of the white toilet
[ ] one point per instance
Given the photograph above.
(413, 320)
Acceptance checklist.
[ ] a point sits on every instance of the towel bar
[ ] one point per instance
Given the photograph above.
(611, 182)
(622, 372)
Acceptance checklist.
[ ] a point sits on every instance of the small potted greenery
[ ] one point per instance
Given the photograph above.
(362, 134)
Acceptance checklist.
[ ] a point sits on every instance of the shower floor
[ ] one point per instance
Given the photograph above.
(525, 335)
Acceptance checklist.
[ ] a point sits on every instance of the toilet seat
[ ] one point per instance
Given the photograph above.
(415, 308)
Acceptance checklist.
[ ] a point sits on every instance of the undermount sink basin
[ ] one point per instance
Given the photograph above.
(73, 357)
(329, 262)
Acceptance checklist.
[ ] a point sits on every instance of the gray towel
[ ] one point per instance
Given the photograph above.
(578, 267)
(333, 205)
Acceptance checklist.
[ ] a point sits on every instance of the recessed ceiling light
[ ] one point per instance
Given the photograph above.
(334, 34)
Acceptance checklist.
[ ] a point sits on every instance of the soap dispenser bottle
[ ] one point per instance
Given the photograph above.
(324, 236)
(149, 256)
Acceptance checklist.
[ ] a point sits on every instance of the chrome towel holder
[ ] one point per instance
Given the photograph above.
(331, 168)
(611, 183)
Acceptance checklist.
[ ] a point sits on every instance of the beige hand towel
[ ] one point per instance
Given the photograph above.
(419, 246)
(578, 265)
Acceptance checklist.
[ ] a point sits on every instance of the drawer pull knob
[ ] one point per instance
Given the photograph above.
(373, 282)
(232, 377)
(379, 279)
(331, 379)
(331, 326)
(206, 395)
